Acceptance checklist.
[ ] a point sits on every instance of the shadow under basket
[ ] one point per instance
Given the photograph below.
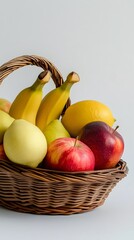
(42, 191)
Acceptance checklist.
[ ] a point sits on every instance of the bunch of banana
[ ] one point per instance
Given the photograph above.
(54, 102)
(27, 102)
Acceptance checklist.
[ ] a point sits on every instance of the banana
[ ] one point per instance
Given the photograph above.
(53, 103)
(26, 103)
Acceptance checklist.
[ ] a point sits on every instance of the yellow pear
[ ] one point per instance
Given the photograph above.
(24, 143)
(55, 130)
(5, 121)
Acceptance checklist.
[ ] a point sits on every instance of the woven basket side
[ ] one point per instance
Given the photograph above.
(42, 191)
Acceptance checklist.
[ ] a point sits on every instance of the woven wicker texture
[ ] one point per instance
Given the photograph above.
(42, 191)
(45, 191)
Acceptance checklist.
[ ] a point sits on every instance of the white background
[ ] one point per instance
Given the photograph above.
(95, 38)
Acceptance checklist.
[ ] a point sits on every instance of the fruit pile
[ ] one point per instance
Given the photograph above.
(34, 131)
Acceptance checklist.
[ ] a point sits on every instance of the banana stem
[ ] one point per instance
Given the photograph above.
(43, 78)
(73, 77)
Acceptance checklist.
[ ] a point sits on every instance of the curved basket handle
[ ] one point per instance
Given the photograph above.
(38, 61)
(25, 60)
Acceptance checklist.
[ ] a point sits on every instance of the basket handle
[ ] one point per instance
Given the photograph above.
(38, 61)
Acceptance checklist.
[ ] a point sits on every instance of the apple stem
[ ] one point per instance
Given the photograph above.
(115, 129)
(75, 141)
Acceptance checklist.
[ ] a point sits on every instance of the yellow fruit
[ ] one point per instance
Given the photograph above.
(55, 130)
(27, 102)
(53, 103)
(24, 143)
(5, 121)
(80, 113)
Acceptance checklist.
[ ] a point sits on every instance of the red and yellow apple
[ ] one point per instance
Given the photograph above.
(105, 142)
(5, 105)
(69, 154)
(2, 153)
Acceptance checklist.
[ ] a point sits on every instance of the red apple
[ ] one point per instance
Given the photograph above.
(69, 154)
(2, 153)
(4, 105)
(105, 142)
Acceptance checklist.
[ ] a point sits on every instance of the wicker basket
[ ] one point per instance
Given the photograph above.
(43, 191)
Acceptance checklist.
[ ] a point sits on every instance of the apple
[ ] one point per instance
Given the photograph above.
(105, 142)
(4, 105)
(2, 153)
(69, 154)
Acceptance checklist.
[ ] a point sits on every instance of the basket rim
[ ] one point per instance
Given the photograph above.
(121, 166)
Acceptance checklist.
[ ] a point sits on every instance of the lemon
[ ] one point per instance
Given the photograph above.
(80, 113)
